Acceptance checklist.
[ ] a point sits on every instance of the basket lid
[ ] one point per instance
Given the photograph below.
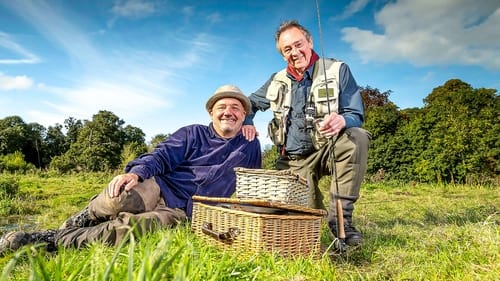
(246, 204)
(274, 173)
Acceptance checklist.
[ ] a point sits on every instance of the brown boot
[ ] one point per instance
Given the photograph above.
(80, 219)
(14, 240)
(352, 236)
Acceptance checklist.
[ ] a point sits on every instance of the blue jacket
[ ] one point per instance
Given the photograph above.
(196, 161)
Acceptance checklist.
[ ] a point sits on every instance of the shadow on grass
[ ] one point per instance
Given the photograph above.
(465, 216)
(439, 217)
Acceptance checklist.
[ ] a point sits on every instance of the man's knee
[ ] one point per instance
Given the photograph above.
(359, 136)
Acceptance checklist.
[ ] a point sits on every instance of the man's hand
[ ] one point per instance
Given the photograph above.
(122, 183)
(249, 132)
(331, 125)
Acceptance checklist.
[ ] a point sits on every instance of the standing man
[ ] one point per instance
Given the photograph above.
(315, 117)
(157, 187)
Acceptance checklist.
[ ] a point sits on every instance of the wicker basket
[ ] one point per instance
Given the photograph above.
(296, 232)
(277, 185)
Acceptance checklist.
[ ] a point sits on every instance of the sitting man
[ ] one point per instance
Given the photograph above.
(157, 187)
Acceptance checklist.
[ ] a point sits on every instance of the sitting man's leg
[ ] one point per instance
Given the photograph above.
(104, 219)
(142, 198)
(113, 232)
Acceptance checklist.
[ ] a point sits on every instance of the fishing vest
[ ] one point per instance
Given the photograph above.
(280, 96)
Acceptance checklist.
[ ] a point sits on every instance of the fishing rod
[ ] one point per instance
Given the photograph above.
(339, 242)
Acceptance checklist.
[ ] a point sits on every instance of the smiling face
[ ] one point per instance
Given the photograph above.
(227, 116)
(295, 48)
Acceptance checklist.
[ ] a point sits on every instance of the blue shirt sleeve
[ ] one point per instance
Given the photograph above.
(350, 101)
(258, 101)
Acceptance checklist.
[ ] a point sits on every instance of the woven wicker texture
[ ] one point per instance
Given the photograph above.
(283, 186)
(288, 234)
(262, 203)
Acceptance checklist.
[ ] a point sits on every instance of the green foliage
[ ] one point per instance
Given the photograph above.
(13, 133)
(131, 151)
(455, 137)
(9, 187)
(14, 162)
(269, 157)
(156, 140)
(72, 126)
(55, 143)
(99, 145)
(62, 163)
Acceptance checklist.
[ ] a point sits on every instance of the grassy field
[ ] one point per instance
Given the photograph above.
(412, 232)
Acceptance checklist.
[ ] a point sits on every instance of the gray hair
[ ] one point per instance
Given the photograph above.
(287, 25)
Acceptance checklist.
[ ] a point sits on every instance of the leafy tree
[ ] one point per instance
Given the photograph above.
(133, 144)
(72, 127)
(460, 117)
(13, 133)
(382, 120)
(372, 97)
(156, 140)
(101, 144)
(453, 138)
(55, 142)
(133, 134)
(269, 157)
(98, 145)
(131, 151)
(34, 147)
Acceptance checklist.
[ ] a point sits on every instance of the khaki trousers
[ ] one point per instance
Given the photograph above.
(351, 155)
(141, 209)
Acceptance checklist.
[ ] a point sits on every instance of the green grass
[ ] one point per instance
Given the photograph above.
(412, 232)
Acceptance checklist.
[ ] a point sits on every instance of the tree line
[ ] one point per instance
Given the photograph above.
(101, 144)
(453, 138)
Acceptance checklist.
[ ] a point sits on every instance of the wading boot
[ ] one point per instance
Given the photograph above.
(352, 236)
(17, 239)
(80, 219)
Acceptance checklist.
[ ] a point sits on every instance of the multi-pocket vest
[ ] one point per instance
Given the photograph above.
(323, 95)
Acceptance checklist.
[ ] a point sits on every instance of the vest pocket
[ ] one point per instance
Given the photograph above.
(325, 97)
(276, 132)
(275, 93)
(318, 139)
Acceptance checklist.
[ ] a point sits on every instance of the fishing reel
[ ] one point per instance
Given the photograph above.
(310, 114)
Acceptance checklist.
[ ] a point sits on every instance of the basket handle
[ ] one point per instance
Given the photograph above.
(232, 232)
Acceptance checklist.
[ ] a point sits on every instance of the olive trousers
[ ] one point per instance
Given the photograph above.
(351, 154)
(141, 209)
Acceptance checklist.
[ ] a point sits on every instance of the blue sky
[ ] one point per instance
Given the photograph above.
(154, 63)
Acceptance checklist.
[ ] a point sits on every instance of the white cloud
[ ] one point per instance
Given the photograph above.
(428, 32)
(92, 96)
(133, 8)
(214, 18)
(8, 83)
(9, 44)
(187, 11)
(351, 9)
